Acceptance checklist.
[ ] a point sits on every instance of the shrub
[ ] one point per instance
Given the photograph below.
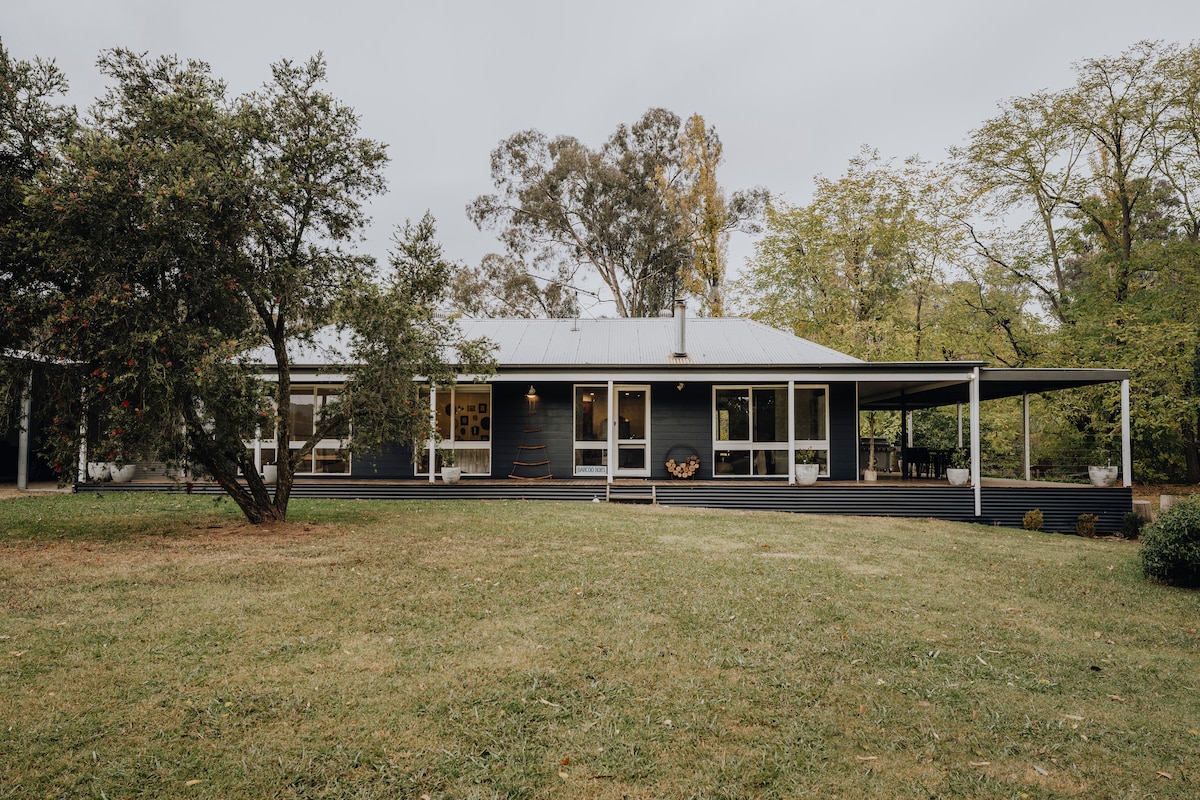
(1171, 545)
(1033, 520)
(1131, 525)
(1085, 525)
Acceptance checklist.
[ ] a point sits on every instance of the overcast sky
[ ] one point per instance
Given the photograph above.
(793, 88)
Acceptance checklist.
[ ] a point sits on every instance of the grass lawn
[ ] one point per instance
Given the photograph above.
(152, 646)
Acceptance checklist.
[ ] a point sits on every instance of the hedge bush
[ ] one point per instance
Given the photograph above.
(1171, 545)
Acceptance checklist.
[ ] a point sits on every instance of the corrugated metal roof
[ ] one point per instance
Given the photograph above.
(710, 342)
(643, 342)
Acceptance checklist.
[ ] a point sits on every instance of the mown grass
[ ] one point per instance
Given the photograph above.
(155, 647)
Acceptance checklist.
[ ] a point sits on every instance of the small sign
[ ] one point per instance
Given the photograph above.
(591, 470)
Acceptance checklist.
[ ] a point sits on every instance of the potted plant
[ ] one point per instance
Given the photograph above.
(98, 471)
(958, 468)
(870, 474)
(807, 468)
(122, 471)
(450, 473)
(270, 474)
(1101, 471)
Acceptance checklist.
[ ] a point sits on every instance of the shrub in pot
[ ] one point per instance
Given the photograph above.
(122, 473)
(450, 473)
(958, 469)
(1101, 472)
(807, 468)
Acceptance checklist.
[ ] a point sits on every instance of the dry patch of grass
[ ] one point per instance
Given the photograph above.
(155, 646)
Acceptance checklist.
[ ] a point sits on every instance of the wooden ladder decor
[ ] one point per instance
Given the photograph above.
(530, 459)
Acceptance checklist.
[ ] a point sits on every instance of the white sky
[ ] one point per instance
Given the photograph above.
(793, 88)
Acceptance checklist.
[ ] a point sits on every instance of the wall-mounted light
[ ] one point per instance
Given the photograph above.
(532, 393)
(679, 386)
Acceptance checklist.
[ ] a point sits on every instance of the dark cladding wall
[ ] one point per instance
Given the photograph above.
(394, 461)
(680, 419)
(543, 423)
(843, 432)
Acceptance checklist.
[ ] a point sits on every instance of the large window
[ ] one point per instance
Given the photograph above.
(330, 455)
(464, 422)
(751, 429)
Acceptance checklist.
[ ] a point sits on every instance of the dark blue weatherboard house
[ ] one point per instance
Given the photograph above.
(595, 409)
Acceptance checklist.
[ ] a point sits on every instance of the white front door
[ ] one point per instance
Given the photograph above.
(630, 431)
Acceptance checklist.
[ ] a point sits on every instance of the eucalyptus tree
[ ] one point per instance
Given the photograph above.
(705, 215)
(632, 213)
(504, 286)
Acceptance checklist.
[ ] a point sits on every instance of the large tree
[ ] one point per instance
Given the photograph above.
(634, 212)
(182, 234)
(1091, 192)
(705, 215)
(861, 268)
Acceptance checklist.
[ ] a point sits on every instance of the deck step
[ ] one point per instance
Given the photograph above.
(614, 493)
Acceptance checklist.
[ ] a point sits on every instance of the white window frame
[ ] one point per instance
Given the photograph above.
(614, 458)
(787, 447)
(601, 445)
(259, 443)
(421, 468)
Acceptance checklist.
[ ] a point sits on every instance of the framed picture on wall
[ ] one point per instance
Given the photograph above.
(464, 420)
(483, 408)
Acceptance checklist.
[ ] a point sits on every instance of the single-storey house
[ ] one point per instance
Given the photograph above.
(595, 408)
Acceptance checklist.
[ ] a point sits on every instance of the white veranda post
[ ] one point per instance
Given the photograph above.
(431, 444)
(1126, 448)
(975, 462)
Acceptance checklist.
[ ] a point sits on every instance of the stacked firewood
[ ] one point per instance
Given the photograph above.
(684, 469)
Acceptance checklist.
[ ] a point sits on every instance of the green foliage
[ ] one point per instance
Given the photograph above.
(504, 286)
(1171, 545)
(1131, 525)
(1033, 520)
(399, 344)
(1085, 525)
(182, 237)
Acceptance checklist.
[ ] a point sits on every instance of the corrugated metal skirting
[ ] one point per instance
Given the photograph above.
(1002, 505)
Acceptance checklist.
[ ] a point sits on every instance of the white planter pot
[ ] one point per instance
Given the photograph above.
(122, 474)
(870, 475)
(1103, 476)
(807, 474)
(270, 474)
(98, 470)
(958, 476)
(451, 474)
